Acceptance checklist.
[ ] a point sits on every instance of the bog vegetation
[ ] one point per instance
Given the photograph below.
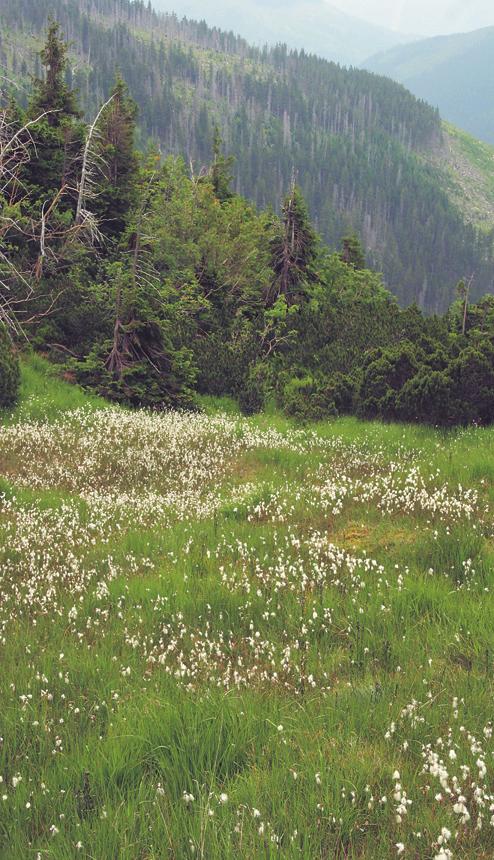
(232, 637)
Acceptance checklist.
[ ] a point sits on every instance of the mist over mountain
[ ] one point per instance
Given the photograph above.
(312, 25)
(454, 73)
(428, 17)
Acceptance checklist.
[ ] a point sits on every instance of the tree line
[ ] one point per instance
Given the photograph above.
(150, 282)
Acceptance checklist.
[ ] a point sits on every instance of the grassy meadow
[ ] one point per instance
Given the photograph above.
(240, 638)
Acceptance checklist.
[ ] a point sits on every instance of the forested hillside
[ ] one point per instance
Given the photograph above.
(152, 286)
(359, 144)
(452, 72)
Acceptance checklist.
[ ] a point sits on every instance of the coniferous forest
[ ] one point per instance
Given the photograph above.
(361, 147)
(150, 282)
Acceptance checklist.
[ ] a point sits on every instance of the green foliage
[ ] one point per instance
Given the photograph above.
(293, 249)
(426, 397)
(363, 148)
(353, 253)
(442, 388)
(253, 393)
(142, 364)
(51, 93)
(116, 160)
(313, 399)
(191, 290)
(9, 371)
(220, 174)
(58, 134)
(385, 372)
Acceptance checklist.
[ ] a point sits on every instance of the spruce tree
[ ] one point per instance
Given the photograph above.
(58, 135)
(293, 250)
(221, 169)
(353, 253)
(142, 364)
(117, 160)
(51, 93)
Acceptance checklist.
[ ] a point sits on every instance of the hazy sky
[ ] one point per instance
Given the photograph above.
(427, 17)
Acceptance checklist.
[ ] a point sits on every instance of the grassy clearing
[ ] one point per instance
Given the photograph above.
(225, 638)
(468, 175)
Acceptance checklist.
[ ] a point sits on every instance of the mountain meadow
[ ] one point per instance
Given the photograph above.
(246, 452)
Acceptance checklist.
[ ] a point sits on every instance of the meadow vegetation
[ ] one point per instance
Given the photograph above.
(238, 637)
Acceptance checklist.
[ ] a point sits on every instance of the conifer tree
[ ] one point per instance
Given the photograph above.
(51, 93)
(117, 159)
(58, 135)
(221, 169)
(293, 250)
(143, 364)
(353, 253)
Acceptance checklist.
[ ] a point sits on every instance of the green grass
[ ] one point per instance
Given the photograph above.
(45, 396)
(479, 153)
(468, 169)
(116, 634)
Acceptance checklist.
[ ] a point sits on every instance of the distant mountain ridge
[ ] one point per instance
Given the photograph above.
(367, 154)
(312, 25)
(454, 73)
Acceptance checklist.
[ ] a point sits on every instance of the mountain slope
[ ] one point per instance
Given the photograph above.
(469, 167)
(367, 154)
(453, 72)
(310, 24)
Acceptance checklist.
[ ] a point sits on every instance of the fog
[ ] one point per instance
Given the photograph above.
(420, 17)
(424, 17)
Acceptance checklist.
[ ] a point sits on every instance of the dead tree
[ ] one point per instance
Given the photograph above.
(52, 238)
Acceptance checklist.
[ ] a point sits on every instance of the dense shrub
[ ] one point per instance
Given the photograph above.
(301, 398)
(426, 398)
(445, 389)
(252, 395)
(162, 378)
(213, 358)
(315, 398)
(386, 371)
(9, 371)
(472, 377)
